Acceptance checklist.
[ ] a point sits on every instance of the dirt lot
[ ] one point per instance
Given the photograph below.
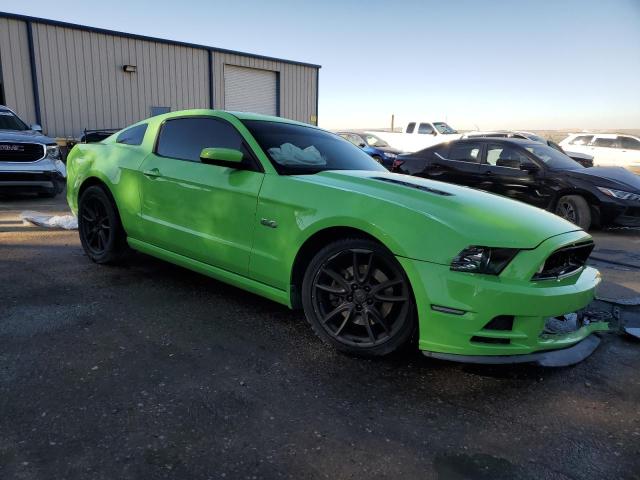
(151, 371)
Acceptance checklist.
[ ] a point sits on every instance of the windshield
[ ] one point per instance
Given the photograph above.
(296, 149)
(374, 141)
(10, 121)
(444, 128)
(553, 158)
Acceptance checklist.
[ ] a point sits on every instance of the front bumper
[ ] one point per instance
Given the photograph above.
(622, 213)
(468, 305)
(46, 175)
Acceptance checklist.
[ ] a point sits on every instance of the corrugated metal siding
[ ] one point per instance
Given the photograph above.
(297, 84)
(16, 71)
(82, 84)
(250, 90)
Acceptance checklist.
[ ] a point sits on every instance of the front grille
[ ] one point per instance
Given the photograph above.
(20, 152)
(565, 261)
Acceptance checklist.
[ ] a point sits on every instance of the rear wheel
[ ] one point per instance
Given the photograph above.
(101, 234)
(357, 298)
(575, 209)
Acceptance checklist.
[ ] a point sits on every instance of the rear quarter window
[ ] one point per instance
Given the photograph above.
(133, 135)
(629, 143)
(465, 152)
(605, 142)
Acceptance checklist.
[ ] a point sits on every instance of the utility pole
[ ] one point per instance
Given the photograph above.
(392, 122)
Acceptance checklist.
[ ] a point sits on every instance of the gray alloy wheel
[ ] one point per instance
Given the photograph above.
(357, 298)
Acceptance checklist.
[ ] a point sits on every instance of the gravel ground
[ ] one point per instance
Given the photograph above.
(151, 371)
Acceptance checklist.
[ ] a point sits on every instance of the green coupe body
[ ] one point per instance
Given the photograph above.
(259, 220)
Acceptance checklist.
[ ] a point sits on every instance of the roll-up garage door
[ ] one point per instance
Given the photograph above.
(250, 90)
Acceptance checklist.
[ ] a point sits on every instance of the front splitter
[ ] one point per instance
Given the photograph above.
(549, 358)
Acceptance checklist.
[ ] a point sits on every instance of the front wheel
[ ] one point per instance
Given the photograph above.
(101, 233)
(575, 209)
(357, 298)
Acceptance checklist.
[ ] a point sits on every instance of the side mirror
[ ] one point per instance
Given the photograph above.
(221, 155)
(36, 127)
(362, 145)
(529, 167)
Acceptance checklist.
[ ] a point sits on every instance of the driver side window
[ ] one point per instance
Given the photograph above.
(185, 138)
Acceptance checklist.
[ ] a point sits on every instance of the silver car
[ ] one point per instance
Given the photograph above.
(29, 160)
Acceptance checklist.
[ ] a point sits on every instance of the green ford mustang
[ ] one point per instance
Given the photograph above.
(375, 259)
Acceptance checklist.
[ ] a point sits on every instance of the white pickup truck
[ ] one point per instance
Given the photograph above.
(419, 135)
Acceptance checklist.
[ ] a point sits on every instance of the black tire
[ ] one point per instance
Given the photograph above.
(575, 209)
(101, 234)
(371, 313)
(377, 158)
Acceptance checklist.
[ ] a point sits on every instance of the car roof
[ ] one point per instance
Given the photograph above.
(239, 115)
(517, 141)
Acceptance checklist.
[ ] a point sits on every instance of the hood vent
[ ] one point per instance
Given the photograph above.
(413, 185)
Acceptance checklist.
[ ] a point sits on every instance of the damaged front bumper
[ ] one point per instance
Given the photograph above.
(510, 318)
(580, 325)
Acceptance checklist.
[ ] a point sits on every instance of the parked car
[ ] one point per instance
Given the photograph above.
(535, 174)
(582, 158)
(97, 135)
(419, 135)
(608, 149)
(372, 145)
(29, 160)
(303, 217)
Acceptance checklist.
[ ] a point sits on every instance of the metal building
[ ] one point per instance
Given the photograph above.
(70, 77)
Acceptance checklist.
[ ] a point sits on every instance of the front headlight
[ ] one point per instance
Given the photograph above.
(391, 155)
(487, 260)
(53, 152)
(622, 195)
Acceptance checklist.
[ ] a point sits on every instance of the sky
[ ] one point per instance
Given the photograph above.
(519, 64)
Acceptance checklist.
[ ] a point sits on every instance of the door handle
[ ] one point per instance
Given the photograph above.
(153, 173)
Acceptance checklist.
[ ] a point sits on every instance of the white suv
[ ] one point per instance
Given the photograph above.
(608, 149)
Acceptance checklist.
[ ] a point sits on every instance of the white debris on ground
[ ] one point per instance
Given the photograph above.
(65, 222)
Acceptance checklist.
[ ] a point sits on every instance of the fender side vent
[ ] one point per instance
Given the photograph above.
(413, 185)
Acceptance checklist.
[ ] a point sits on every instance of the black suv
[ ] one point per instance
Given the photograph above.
(533, 173)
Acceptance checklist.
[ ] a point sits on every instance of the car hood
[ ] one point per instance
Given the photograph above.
(583, 156)
(612, 177)
(472, 216)
(24, 136)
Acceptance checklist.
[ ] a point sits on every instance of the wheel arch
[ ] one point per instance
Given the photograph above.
(592, 201)
(94, 181)
(310, 247)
